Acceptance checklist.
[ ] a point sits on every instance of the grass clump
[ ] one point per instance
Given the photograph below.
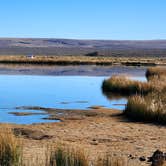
(65, 156)
(123, 85)
(155, 72)
(147, 100)
(10, 149)
(151, 108)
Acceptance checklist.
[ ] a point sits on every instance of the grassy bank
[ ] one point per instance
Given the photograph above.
(156, 73)
(125, 86)
(147, 101)
(150, 108)
(82, 60)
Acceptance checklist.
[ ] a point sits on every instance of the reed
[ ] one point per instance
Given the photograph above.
(65, 156)
(157, 72)
(123, 85)
(147, 100)
(151, 108)
(10, 149)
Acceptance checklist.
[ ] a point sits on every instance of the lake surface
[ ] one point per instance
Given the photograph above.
(64, 92)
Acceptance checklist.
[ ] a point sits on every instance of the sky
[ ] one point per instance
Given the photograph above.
(84, 19)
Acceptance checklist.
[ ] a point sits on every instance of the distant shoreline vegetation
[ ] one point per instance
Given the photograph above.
(81, 60)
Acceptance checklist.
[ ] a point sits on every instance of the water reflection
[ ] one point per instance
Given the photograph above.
(64, 92)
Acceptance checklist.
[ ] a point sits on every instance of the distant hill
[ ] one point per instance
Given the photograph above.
(20, 46)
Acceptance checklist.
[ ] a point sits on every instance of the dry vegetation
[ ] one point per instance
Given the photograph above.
(81, 60)
(11, 154)
(148, 101)
(10, 149)
(123, 85)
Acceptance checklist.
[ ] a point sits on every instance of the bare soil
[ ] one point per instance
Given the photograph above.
(97, 131)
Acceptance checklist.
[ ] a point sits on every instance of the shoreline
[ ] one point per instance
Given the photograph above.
(70, 70)
(98, 132)
(82, 60)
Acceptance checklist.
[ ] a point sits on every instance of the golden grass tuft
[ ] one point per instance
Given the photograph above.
(155, 72)
(123, 85)
(147, 101)
(66, 156)
(150, 108)
(10, 149)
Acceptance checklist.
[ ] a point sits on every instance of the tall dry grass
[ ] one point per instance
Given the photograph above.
(157, 72)
(65, 156)
(149, 100)
(150, 108)
(10, 149)
(125, 86)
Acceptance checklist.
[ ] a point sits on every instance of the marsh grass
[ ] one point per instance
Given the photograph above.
(150, 108)
(80, 60)
(147, 100)
(155, 72)
(66, 156)
(10, 149)
(123, 85)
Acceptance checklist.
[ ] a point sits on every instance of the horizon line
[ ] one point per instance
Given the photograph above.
(83, 39)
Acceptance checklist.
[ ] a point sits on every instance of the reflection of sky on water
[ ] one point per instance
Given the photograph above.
(77, 92)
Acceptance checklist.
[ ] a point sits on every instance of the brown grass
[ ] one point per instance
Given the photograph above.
(81, 60)
(65, 156)
(123, 85)
(151, 108)
(10, 149)
(155, 72)
(149, 101)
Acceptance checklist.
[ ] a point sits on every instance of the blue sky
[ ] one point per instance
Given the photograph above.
(84, 19)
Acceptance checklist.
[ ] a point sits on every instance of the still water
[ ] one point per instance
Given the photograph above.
(65, 92)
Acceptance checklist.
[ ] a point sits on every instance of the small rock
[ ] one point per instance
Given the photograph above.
(94, 143)
(142, 158)
(158, 158)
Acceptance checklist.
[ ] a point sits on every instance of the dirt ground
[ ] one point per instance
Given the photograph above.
(97, 132)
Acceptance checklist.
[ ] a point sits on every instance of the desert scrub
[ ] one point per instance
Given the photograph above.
(150, 108)
(10, 149)
(123, 85)
(66, 156)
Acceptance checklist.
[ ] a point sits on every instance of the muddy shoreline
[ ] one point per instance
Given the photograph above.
(97, 131)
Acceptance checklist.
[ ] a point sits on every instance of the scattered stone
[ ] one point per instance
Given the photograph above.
(158, 158)
(94, 143)
(130, 156)
(142, 158)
